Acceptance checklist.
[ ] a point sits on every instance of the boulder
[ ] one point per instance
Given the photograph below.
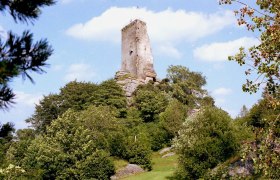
(129, 170)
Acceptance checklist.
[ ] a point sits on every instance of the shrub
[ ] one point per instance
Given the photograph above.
(150, 104)
(71, 144)
(173, 117)
(204, 141)
(157, 134)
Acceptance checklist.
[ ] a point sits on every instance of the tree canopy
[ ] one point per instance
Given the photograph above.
(205, 140)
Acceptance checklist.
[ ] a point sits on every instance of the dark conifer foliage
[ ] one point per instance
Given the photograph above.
(20, 55)
(24, 10)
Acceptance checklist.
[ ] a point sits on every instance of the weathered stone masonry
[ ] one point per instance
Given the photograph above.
(137, 60)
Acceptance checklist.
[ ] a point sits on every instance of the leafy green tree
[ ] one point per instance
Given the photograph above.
(19, 55)
(139, 150)
(134, 145)
(48, 109)
(173, 117)
(158, 136)
(265, 123)
(205, 140)
(6, 136)
(16, 151)
(150, 104)
(132, 118)
(259, 134)
(207, 101)
(77, 96)
(109, 93)
(186, 85)
(70, 148)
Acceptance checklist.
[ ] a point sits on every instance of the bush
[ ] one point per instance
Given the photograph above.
(158, 135)
(71, 144)
(97, 165)
(150, 104)
(173, 117)
(204, 141)
(133, 146)
(138, 151)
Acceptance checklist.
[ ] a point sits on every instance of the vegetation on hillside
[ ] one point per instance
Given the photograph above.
(79, 132)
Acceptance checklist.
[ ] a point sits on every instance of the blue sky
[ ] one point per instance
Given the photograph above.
(85, 35)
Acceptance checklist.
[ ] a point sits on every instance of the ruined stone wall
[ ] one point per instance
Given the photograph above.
(137, 60)
(137, 56)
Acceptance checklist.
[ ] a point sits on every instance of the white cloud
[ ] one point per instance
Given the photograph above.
(220, 96)
(22, 109)
(166, 26)
(66, 1)
(222, 91)
(27, 99)
(168, 50)
(80, 72)
(219, 51)
(3, 32)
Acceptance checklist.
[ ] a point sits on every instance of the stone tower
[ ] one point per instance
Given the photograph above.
(137, 60)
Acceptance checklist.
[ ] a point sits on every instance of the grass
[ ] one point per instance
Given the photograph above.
(119, 163)
(162, 169)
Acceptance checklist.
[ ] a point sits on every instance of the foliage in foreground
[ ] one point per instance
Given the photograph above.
(259, 134)
(204, 141)
(77, 131)
(74, 145)
(262, 59)
(20, 55)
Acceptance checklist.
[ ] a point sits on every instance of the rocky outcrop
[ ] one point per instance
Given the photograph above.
(129, 170)
(165, 150)
(168, 155)
(128, 82)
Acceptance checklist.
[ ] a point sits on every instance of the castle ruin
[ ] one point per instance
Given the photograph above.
(137, 60)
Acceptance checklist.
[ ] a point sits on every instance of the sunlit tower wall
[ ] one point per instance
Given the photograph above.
(137, 59)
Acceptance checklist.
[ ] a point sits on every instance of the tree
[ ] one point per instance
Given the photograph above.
(19, 55)
(17, 149)
(259, 133)
(262, 59)
(6, 137)
(150, 104)
(205, 140)
(134, 146)
(109, 93)
(48, 109)
(173, 117)
(186, 85)
(77, 96)
(74, 146)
